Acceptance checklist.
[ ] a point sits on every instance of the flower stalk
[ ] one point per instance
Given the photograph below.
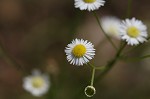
(93, 75)
(129, 8)
(111, 63)
(108, 38)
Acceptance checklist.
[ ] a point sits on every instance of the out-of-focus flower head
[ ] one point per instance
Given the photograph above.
(111, 25)
(37, 83)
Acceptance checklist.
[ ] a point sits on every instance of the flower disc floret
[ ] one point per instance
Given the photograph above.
(79, 52)
(37, 82)
(89, 1)
(133, 32)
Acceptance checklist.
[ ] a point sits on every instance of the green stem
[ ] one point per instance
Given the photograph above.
(148, 38)
(135, 58)
(108, 38)
(93, 75)
(10, 60)
(129, 8)
(136, 47)
(111, 63)
(143, 57)
(96, 67)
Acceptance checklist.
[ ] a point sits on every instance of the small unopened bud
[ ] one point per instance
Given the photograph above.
(89, 91)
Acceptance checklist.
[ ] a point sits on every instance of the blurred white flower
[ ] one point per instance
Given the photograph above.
(79, 52)
(89, 5)
(133, 31)
(37, 83)
(111, 26)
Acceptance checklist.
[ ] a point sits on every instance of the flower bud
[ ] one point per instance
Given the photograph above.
(89, 91)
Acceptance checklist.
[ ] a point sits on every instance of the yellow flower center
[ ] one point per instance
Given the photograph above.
(89, 1)
(37, 82)
(133, 31)
(112, 30)
(79, 50)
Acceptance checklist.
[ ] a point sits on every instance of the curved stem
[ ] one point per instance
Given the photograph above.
(111, 63)
(135, 58)
(10, 60)
(108, 38)
(133, 48)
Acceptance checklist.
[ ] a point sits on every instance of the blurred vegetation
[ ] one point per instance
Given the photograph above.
(34, 33)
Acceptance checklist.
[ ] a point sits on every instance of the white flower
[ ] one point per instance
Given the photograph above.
(89, 5)
(37, 84)
(111, 26)
(133, 31)
(79, 52)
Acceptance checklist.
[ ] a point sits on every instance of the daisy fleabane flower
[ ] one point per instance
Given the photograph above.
(37, 83)
(111, 25)
(89, 5)
(133, 31)
(79, 52)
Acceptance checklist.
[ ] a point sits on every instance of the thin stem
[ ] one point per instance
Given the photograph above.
(10, 60)
(98, 21)
(93, 75)
(133, 48)
(135, 58)
(129, 8)
(148, 38)
(146, 56)
(101, 43)
(111, 63)
(96, 67)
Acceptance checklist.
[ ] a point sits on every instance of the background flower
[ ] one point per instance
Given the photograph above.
(37, 84)
(111, 25)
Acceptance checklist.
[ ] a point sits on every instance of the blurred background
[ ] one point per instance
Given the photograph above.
(34, 33)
